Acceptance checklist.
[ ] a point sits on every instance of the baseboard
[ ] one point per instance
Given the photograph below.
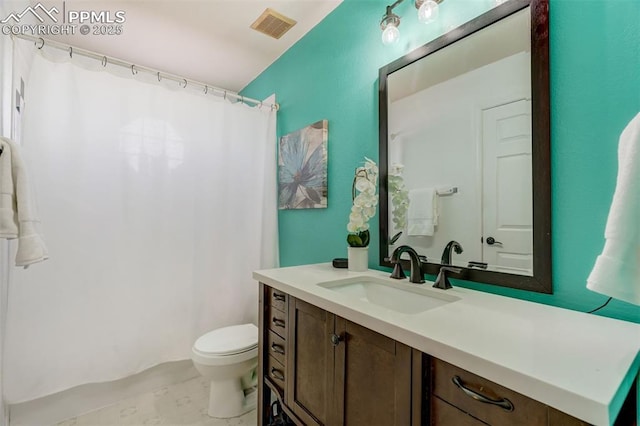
(86, 398)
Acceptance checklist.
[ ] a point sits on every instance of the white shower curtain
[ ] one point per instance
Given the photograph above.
(156, 206)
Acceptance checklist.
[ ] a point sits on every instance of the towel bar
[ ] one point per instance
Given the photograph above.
(447, 191)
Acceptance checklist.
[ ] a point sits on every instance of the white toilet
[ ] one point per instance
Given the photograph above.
(228, 358)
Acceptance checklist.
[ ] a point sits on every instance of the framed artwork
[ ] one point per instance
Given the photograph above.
(302, 168)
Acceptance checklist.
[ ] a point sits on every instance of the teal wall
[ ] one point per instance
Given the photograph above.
(595, 82)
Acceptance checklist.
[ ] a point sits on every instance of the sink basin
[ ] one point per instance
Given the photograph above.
(402, 297)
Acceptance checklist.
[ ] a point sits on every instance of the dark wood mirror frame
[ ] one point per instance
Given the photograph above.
(541, 166)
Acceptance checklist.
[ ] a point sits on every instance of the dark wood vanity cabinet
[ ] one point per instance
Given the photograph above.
(326, 370)
(273, 341)
(372, 377)
(337, 373)
(471, 399)
(310, 363)
(460, 398)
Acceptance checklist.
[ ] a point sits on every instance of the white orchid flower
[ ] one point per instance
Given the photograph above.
(364, 203)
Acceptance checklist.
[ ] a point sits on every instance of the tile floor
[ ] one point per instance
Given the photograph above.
(180, 404)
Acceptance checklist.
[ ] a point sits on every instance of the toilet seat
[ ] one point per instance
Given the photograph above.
(230, 340)
(227, 345)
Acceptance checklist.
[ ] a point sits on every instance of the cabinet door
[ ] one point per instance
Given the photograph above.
(310, 363)
(372, 378)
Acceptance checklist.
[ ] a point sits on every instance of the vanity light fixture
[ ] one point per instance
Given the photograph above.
(389, 25)
(427, 13)
(427, 10)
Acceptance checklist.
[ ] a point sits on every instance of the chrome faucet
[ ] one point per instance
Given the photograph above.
(416, 265)
(446, 254)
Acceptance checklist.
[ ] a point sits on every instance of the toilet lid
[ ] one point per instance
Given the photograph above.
(228, 340)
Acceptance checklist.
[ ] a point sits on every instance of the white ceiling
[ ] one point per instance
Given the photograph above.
(205, 40)
(508, 37)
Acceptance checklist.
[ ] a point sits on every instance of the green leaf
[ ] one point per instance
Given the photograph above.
(364, 236)
(354, 240)
(395, 238)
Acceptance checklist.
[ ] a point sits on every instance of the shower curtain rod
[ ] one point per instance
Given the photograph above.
(184, 82)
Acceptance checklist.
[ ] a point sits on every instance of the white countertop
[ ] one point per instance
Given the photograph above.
(578, 363)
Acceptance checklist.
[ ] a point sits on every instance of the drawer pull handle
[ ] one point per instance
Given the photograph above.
(277, 374)
(503, 403)
(278, 322)
(277, 349)
(279, 296)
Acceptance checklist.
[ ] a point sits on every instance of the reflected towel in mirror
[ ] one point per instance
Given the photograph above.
(422, 216)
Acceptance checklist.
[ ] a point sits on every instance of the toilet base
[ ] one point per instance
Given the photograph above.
(227, 399)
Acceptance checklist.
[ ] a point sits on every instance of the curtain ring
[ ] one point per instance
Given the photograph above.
(41, 41)
(225, 95)
(206, 89)
(185, 83)
(133, 69)
(104, 61)
(242, 99)
(71, 52)
(159, 78)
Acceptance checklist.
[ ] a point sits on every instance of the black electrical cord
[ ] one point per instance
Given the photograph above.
(600, 307)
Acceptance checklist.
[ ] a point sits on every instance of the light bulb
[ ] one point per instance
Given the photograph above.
(428, 12)
(390, 35)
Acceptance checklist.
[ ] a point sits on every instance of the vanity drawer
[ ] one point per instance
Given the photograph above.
(277, 321)
(276, 373)
(277, 299)
(444, 414)
(276, 347)
(502, 406)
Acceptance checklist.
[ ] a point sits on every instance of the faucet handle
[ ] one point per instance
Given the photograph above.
(398, 273)
(442, 281)
(476, 264)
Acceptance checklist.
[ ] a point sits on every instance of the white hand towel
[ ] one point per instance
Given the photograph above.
(8, 213)
(617, 270)
(18, 217)
(422, 216)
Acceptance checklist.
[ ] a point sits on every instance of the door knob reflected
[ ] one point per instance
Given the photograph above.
(491, 241)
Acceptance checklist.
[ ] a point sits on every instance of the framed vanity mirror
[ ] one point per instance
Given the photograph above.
(464, 149)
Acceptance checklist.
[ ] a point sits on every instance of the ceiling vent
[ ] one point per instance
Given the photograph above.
(273, 23)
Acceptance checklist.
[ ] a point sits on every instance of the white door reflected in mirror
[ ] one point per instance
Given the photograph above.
(506, 188)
